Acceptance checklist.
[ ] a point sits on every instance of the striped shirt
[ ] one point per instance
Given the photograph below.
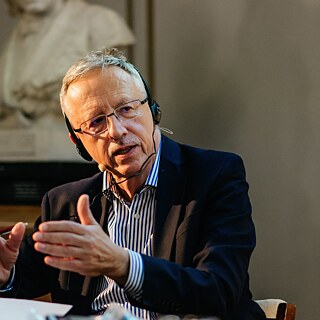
(130, 226)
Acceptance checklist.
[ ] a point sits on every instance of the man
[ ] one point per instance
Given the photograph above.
(170, 233)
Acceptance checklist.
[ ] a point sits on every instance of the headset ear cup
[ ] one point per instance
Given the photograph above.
(156, 112)
(154, 107)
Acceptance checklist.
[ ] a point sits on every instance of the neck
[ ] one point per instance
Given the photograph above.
(132, 186)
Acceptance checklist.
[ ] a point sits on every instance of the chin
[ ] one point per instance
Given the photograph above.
(128, 172)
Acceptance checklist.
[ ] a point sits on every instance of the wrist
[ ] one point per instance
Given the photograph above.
(8, 285)
(122, 274)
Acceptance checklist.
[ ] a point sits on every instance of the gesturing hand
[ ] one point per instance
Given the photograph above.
(84, 248)
(9, 250)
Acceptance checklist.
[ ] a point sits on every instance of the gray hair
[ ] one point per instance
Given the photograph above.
(99, 59)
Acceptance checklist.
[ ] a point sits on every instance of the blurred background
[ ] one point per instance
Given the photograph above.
(244, 76)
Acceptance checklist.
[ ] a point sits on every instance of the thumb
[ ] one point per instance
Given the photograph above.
(16, 236)
(84, 211)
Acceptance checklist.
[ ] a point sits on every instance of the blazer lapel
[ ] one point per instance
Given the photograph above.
(170, 189)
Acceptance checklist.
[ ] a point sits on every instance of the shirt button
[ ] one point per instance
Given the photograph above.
(137, 215)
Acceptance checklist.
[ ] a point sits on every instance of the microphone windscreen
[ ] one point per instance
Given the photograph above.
(102, 167)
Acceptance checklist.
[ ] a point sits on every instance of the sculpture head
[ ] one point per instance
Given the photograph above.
(19, 7)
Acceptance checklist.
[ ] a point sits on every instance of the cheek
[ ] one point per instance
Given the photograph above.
(144, 128)
(98, 150)
(145, 135)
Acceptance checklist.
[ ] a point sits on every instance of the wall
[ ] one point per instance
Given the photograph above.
(243, 76)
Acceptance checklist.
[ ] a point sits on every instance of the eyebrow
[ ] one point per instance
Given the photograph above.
(123, 101)
(119, 104)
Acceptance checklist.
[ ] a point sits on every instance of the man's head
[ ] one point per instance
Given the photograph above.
(107, 105)
(18, 7)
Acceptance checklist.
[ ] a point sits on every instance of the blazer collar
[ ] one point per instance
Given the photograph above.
(171, 187)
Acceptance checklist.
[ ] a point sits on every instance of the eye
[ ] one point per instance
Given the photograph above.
(96, 122)
(127, 111)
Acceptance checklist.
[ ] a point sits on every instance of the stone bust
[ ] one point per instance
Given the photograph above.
(49, 36)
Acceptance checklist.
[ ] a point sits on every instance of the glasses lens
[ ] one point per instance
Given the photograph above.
(128, 111)
(99, 124)
(95, 125)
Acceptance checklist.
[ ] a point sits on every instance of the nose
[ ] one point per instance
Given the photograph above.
(116, 128)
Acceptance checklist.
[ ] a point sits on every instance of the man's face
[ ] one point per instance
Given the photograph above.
(126, 145)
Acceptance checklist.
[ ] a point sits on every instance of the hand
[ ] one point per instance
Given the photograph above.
(84, 248)
(9, 250)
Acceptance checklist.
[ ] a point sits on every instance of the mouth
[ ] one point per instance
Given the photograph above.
(123, 151)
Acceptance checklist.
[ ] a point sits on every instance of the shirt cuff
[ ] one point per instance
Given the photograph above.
(9, 285)
(133, 286)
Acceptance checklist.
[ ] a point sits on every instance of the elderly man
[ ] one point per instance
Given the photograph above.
(165, 228)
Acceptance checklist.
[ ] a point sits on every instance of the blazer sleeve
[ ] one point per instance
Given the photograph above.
(33, 277)
(213, 243)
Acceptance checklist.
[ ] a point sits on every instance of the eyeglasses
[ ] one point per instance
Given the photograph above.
(99, 124)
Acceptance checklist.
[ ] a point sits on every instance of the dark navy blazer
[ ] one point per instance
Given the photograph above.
(202, 241)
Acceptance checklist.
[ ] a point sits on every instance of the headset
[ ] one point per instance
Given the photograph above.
(154, 107)
(155, 111)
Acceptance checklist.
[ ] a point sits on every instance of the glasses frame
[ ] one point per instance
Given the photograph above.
(79, 130)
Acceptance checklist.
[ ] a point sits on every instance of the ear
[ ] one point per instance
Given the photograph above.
(72, 139)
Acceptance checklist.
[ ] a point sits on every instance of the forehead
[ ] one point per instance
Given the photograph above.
(110, 79)
(103, 88)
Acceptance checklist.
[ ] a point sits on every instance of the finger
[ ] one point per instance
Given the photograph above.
(16, 236)
(69, 237)
(60, 226)
(84, 211)
(61, 263)
(70, 264)
(59, 251)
